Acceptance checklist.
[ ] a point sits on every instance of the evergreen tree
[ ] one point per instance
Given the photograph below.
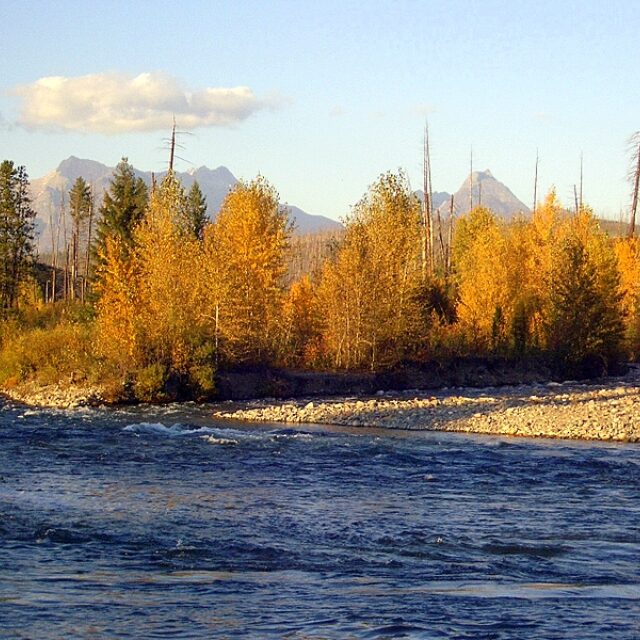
(584, 327)
(79, 209)
(196, 212)
(16, 232)
(123, 207)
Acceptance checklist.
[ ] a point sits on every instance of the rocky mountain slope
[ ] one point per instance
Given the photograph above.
(46, 193)
(486, 190)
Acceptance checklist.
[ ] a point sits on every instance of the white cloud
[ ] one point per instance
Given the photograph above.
(112, 103)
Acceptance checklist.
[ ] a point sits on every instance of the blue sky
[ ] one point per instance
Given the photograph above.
(333, 93)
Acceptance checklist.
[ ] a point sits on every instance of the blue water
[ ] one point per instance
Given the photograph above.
(161, 523)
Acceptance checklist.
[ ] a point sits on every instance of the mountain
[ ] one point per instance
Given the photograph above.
(214, 183)
(438, 198)
(487, 191)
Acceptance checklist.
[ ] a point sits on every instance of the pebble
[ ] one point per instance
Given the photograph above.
(608, 411)
(57, 396)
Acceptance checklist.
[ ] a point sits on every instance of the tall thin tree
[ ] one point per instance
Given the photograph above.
(581, 202)
(471, 180)
(535, 185)
(635, 180)
(427, 212)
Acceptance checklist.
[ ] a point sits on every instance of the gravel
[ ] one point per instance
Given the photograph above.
(608, 410)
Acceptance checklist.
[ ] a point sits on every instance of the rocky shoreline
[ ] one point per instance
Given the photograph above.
(56, 396)
(606, 410)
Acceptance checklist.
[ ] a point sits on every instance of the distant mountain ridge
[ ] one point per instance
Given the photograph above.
(214, 183)
(486, 191)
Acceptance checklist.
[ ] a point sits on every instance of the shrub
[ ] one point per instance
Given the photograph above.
(150, 383)
(61, 353)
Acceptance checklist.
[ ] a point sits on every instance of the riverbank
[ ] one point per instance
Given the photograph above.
(606, 410)
(55, 395)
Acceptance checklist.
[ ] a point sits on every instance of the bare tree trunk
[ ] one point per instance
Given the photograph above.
(54, 257)
(450, 239)
(581, 180)
(535, 185)
(88, 251)
(66, 252)
(74, 260)
(471, 181)
(441, 239)
(634, 201)
(427, 214)
(575, 198)
(173, 145)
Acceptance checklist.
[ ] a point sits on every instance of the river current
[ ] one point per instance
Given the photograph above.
(162, 523)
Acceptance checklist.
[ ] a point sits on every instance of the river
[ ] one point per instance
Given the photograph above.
(162, 523)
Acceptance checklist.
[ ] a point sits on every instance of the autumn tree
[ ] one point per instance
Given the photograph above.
(16, 232)
(246, 254)
(541, 238)
(152, 315)
(368, 294)
(301, 325)
(628, 257)
(485, 306)
(118, 327)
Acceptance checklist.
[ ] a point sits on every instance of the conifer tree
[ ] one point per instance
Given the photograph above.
(584, 327)
(196, 211)
(123, 207)
(79, 209)
(16, 232)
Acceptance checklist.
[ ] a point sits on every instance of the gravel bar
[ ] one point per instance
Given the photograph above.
(606, 410)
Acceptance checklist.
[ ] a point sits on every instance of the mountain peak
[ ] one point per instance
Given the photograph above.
(482, 188)
(215, 184)
(90, 170)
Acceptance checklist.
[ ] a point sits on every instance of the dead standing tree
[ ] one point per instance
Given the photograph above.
(87, 257)
(635, 180)
(427, 212)
(535, 184)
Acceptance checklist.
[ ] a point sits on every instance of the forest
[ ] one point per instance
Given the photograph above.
(151, 299)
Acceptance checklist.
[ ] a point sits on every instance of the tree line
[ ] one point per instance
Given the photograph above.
(175, 297)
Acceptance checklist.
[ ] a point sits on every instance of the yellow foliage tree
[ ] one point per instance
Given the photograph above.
(170, 310)
(628, 257)
(151, 318)
(485, 306)
(369, 294)
(301, 324)
(118, 329)
(246, 250)
(540, 239)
